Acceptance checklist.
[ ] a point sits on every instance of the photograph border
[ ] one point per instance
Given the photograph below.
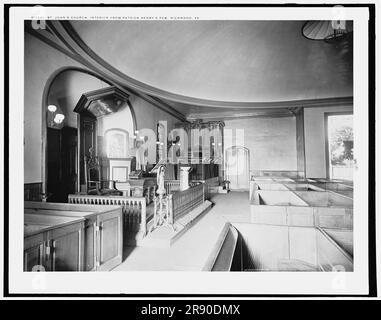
(372, 280)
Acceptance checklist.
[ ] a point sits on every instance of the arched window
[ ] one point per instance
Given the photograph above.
(117, 143)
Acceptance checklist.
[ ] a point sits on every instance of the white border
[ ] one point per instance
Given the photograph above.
(191, 282)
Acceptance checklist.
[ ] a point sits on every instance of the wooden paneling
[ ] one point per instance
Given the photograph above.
(53, 243)
(67, 248)
(32, 191)
(103, 234)
(185, 201)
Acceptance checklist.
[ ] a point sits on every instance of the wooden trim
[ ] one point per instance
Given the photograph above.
(33, 191)
(300, 142)
(326, 138)
(90, 96)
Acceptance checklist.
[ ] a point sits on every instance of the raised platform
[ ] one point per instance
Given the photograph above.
(165, 236)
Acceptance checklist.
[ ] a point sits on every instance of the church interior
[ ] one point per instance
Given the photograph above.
(211, 145)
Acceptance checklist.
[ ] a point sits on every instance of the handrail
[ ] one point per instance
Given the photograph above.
(185, 201)
(171, 185)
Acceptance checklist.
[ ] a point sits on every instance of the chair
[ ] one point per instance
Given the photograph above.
(94, 184)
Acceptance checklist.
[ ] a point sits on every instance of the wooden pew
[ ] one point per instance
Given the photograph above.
(103, 230)
(53, 243)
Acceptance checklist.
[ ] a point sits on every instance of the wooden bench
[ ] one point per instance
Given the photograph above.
(103, 231)
(53, 243)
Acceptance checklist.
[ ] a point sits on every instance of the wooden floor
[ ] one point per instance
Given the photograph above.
(191, 251)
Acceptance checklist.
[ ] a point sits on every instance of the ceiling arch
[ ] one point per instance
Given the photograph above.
(230, 61)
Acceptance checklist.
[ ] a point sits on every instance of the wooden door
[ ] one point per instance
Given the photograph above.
(54, 152)
(237, 168)
(62, 163)
(66, 251)
(69, 160)
(34, 250)
(110, 240)
(88, 139)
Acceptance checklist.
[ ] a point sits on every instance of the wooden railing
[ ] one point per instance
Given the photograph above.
(134, 208)
(185, 201)
(171, 186)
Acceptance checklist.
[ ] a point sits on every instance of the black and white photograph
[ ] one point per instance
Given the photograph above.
(201, 150)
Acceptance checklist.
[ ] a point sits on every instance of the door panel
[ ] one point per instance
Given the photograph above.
(33, 257)
(34, 252)
(90, 246)
(110, 240)
(67, 248)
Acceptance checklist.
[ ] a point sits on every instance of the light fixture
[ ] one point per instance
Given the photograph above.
(327, 30)
(52, 108)
(59, 118)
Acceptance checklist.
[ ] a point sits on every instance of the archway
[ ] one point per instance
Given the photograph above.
(237, 167)
(63, 90)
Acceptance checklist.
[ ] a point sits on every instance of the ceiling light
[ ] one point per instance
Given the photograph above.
(59, 118)
(327, 30)
(52, 108)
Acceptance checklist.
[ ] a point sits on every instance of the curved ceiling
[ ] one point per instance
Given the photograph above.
(232, 61)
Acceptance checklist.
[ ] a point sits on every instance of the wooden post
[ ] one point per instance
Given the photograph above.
(143, 224)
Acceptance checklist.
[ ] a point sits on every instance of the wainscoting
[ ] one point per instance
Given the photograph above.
(32, 191)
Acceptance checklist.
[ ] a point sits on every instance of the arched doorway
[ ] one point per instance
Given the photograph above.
(61, 141)
(237, 167)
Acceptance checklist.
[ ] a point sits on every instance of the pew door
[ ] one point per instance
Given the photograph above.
(110, 240)
(66, 248)
(34, 248)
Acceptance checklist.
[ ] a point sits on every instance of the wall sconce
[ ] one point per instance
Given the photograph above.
(56, 118)
(59, 118)
(52, 108)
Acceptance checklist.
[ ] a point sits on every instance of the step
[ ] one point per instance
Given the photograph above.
(165, 236)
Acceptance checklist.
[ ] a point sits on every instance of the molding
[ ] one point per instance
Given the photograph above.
(156, 102)
(88, 97)
(253, 113)
(79, 51)
(68, 34)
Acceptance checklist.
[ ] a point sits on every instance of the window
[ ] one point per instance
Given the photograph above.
(117, 143)
(340, 144)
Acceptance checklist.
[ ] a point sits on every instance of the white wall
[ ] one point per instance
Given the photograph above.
(67, 89)
(314, 131)
(40, 62)
(271, 141)
(148, 116)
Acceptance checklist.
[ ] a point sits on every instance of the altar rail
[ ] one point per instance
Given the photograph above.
(172, 186)
(133, 208)
(185, 201)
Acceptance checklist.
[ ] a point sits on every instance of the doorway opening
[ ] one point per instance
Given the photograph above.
(237, 167)
(340, 160)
